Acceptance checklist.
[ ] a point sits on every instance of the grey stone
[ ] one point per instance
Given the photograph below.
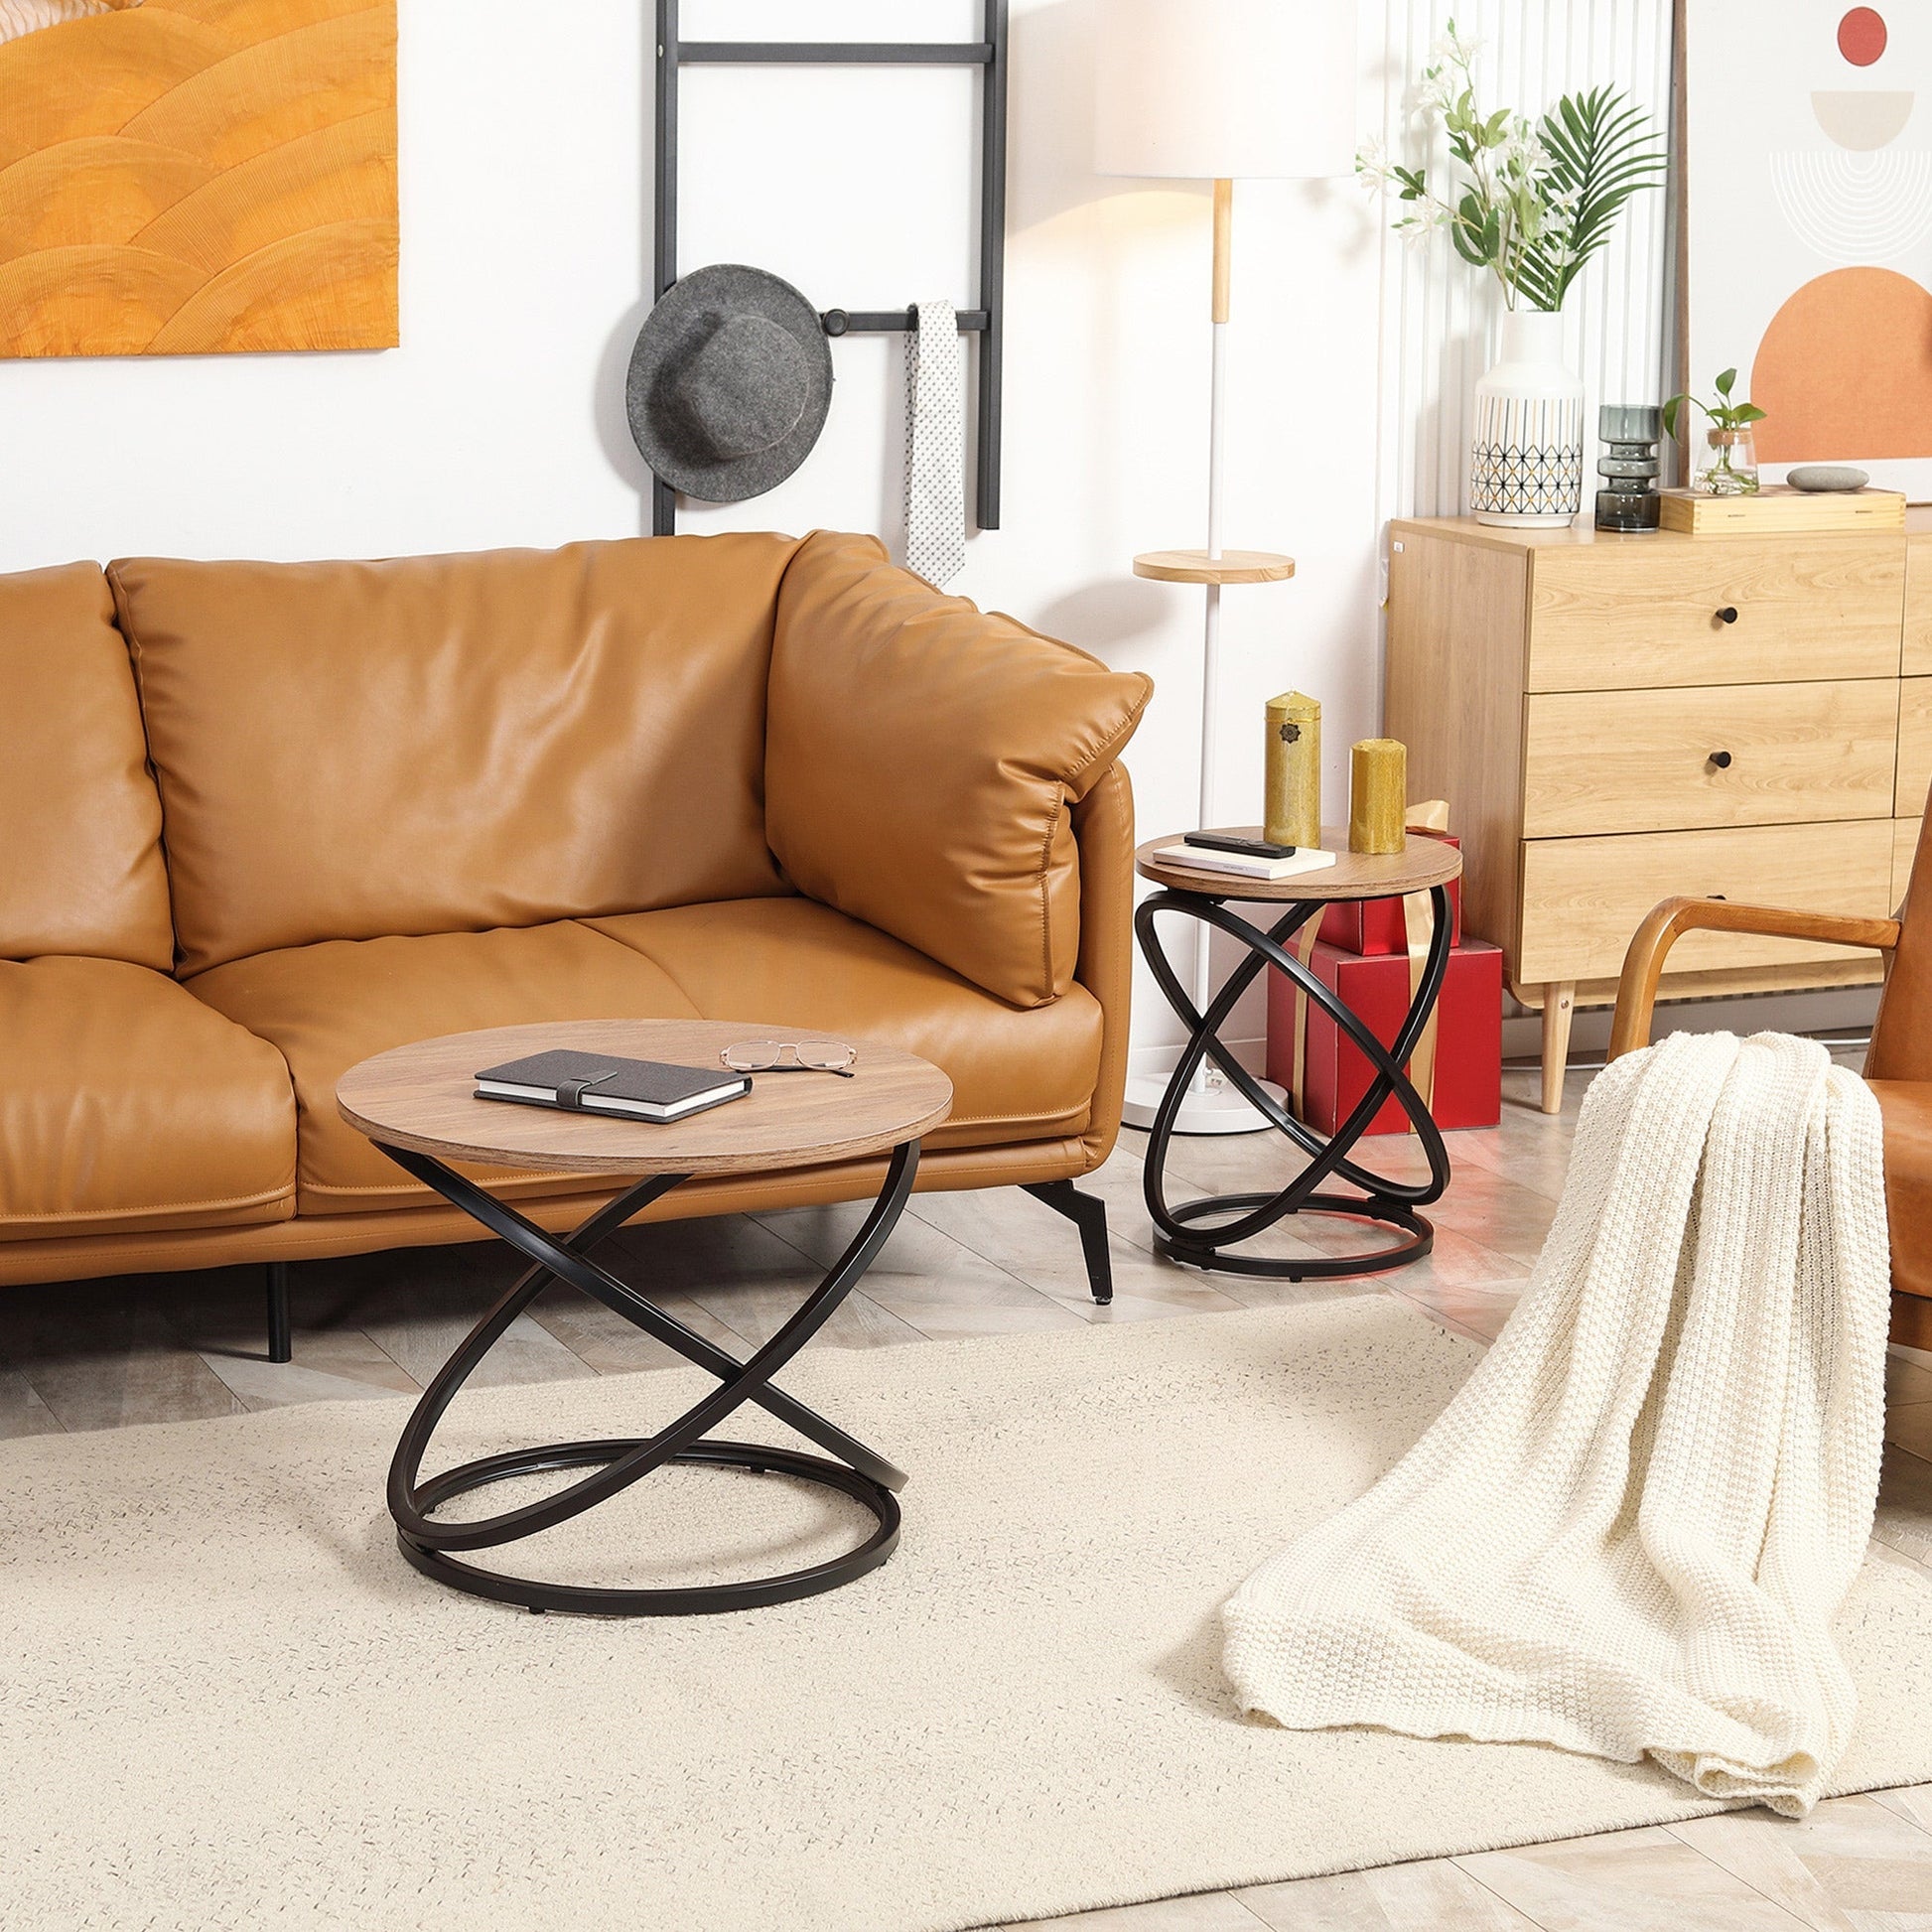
(1825, 477)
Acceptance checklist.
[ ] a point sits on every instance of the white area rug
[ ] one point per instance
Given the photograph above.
(228, 1702)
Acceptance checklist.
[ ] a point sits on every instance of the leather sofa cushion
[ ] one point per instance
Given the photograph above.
(1018, 1074)
(1907, 1109)
(81, 870)
(126, 1105)
(350, 751)
(921, 761)
(329, 1006)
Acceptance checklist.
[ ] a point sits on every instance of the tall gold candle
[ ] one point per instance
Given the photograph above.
(1379, 796)
(1293, 808)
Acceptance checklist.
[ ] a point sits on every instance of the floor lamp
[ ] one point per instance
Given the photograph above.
(1220, 91)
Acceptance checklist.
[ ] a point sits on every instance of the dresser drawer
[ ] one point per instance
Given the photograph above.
(1914, 745)
(1715, 754)
(1642, 614)
(1918, 604)
(1584, 899)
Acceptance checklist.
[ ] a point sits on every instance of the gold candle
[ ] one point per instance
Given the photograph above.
(1379, 796)
(1293, 809)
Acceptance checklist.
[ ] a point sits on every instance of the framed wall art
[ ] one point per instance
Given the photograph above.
(1808, 226)
(197, 177)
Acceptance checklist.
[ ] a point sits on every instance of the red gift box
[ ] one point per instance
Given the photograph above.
(1466, 1088)
(1373, 926)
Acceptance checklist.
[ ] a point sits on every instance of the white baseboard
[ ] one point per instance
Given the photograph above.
(1844, 1011)
(1156, 1062)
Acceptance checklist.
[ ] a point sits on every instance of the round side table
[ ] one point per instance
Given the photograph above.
(417, 1104)
(1206, 1233)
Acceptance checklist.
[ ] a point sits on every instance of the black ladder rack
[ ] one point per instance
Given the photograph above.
(986, 321)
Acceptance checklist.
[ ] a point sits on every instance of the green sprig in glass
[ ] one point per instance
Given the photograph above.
(1732, 468)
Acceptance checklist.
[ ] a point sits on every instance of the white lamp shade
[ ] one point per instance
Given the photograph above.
(1225, 89)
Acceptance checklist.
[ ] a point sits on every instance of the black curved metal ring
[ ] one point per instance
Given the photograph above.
(616, 1463)
(1384, 1200)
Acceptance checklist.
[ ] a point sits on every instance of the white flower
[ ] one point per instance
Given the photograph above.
(1453, 47)
(1372, 163)
(1434, 95)
(1416, 227)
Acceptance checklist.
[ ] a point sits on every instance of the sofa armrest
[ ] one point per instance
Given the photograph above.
(923, 763)
(1103, 826)
(1643, 964)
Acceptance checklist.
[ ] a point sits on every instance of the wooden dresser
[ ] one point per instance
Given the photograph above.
(1617, 719)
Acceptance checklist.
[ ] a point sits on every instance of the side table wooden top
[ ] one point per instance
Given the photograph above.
(1422, 863)
(423, 1096)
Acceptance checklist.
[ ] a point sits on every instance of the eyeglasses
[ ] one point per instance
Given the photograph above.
(790, 1057)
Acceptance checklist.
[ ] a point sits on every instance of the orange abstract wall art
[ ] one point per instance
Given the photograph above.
(197, 177)
(1809, 226)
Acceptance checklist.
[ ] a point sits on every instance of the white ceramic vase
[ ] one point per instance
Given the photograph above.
(1526, 462)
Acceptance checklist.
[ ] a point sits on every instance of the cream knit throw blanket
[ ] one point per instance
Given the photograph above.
(1630, 1531)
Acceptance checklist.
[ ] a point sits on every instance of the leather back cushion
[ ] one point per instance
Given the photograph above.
(81, 868)
(348, 751)
(922, 762)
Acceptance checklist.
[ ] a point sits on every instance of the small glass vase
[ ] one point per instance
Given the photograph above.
(1733, 468)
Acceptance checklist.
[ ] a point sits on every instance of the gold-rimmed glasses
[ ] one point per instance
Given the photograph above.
(790, 1057)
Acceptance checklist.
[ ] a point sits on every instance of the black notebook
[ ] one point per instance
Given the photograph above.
(605, 1083)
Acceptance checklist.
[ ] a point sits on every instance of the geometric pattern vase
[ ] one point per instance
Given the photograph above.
(1526, 460)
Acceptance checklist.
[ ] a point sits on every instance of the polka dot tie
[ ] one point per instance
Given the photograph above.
(935, 442)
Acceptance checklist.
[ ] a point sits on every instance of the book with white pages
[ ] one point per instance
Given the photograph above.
(606, 1083)
(1245, 864)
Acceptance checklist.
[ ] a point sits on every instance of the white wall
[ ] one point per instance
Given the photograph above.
(525, 272)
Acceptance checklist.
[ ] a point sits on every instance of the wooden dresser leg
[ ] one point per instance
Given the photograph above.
(1559, 1004)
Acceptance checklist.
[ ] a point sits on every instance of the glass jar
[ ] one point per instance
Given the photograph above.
(1732, 470)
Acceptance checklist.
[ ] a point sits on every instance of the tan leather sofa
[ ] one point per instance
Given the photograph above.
(260, 821)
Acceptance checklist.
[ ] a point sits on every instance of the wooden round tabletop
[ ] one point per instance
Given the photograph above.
(1230, 567)
(1422, 863)
(423, 1097)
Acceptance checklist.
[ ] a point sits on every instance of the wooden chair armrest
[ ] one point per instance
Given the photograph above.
(1643, 964)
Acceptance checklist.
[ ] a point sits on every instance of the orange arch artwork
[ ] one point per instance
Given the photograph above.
(1846, 367)
(197, 177)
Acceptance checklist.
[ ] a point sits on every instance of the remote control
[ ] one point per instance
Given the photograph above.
(1227, 842)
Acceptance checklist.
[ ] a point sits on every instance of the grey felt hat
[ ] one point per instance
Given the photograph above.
(730, 383)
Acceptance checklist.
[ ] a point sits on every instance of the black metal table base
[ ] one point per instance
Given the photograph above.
(1207, 1233)
(432, 1544)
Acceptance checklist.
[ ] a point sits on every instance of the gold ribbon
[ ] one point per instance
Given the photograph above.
(1419, 919)
(1304, 949)
(1418, 922)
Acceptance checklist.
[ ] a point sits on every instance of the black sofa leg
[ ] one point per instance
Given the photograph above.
(1088, 1213)
(281, 1346)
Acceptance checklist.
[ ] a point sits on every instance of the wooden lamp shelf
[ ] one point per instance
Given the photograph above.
(1230, 567)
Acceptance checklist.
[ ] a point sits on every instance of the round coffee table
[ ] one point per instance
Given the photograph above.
(1204, 1232)
(418, 1105)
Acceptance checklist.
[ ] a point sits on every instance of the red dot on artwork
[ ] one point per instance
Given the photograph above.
(1862, 36)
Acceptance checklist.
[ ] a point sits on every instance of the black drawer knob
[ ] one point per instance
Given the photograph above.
(1722, 759)
(1728, 615)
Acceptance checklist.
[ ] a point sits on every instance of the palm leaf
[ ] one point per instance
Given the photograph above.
(1603, 150)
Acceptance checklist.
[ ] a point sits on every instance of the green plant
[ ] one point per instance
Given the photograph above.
(1535, 201)
(1724, 413)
